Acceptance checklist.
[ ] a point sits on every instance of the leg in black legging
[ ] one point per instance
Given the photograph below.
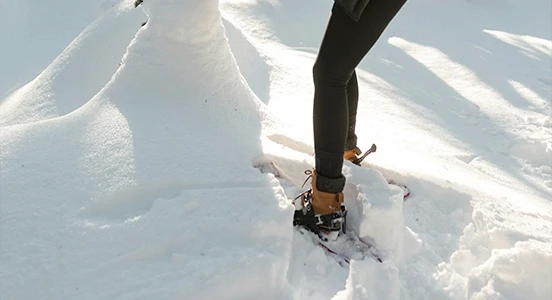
(352, 103)
(344, 45)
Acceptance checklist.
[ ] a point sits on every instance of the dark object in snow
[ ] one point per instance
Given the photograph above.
(138, 2)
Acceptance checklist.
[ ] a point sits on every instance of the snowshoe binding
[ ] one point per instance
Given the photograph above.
(322, 213)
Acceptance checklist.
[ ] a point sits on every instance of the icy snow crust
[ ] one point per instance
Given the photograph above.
(128, 152)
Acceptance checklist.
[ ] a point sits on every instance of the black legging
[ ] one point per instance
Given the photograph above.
(344, 45)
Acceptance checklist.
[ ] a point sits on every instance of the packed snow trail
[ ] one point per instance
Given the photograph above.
(127, 163)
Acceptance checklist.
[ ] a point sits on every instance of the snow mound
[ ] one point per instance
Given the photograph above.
(375, 209)
(369, 279)
(125, 174)
(78, 73)
(521, 272)
(498, 259)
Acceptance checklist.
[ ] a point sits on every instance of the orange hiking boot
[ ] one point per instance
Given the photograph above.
(353, 154)
(319, 211)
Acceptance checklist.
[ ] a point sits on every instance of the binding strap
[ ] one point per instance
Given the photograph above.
(306, 217)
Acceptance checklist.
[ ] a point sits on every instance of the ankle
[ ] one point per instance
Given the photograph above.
(331, 185)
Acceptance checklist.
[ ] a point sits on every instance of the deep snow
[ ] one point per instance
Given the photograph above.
(128, 153)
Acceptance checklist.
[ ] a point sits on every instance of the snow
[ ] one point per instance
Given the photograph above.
(128, 152)
(372, 280)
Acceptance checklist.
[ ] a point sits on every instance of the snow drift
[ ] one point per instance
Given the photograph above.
(140, 172)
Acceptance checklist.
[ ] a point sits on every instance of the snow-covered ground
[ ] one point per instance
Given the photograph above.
(128, 153)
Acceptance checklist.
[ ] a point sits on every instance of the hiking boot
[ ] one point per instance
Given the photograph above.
(324, 203)
(320, 212)
(352, 155)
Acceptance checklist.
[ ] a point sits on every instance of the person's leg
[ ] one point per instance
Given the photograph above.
(344, 45)
(352, 103)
